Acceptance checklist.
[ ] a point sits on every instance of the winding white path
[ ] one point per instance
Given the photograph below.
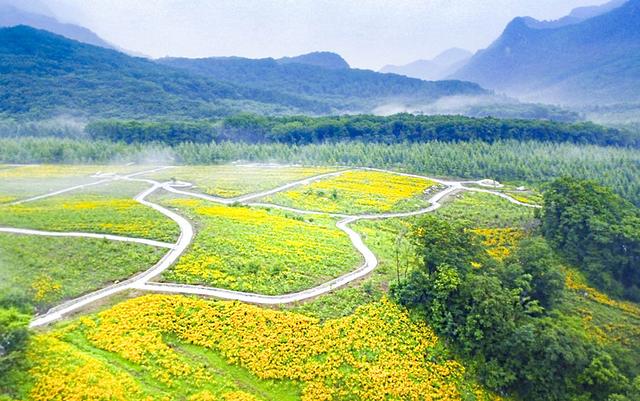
(26, 231)
(142, 281)
(503, 196)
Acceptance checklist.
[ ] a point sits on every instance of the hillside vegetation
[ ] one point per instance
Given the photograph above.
(46, 76)
(347, 89)
(598, 231)
(513, 311)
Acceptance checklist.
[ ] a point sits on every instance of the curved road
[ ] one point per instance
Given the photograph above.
(142, 281)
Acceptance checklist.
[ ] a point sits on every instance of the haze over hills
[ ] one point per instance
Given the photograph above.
(348, 89)
(438, 68)
(590, 61)
(313, 83)
(13, 16)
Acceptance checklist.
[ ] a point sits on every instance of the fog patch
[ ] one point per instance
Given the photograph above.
(147, 155)
(458, 104)
(61, 126)
(481, 106)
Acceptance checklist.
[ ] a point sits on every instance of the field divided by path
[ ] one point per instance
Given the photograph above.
(403, 197)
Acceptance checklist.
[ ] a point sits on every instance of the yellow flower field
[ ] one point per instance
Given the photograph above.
(228, 181)
(606, 320)
(500, 241)
(378, 353)
(358, 192)
(263, 251)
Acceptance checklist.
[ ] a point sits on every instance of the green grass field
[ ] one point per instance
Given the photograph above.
(42, 271)
(616, 324)
(229, 181)
(350, 344)
(259, 250)
(482, 210)
(388, 240)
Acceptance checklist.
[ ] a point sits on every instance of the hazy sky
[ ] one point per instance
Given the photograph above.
(367, 33)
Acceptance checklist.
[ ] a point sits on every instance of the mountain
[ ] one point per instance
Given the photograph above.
(577, 15)
(13, 16)
(348, 90)
(319, 59)
(593, 61)
(432, 70)
(43, 74)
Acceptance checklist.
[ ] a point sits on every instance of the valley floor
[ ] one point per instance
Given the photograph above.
(298, 241)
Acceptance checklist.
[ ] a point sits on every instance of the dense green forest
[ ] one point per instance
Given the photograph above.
(596, 230)
(528, 162)
(509, 317)
(367, 128)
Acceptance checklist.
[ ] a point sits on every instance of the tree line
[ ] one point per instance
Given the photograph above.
(529, 163)
(398, 128)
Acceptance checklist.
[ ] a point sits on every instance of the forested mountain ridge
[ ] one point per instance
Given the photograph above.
(43, 74)
(349, 89)
(577, 15)
(319, 59)
(593, 61)
(363, 91)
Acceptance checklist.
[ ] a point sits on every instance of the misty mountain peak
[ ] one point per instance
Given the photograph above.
(13, 15)
(435, 69)
(594, 60)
